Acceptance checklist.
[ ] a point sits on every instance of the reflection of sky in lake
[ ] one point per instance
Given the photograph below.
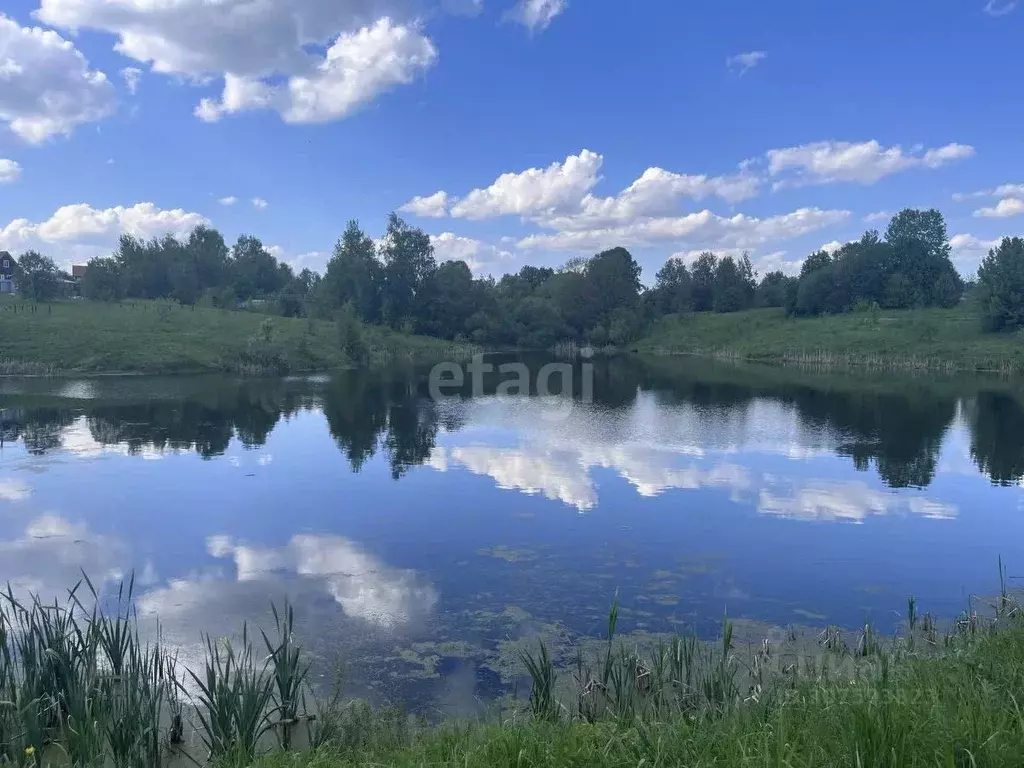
(688, 510)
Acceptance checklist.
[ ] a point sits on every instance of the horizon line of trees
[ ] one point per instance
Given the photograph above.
(599, 300)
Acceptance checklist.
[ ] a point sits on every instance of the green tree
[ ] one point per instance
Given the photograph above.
(144, 271)
(1001, 285)
(38, 276)
(452, 298)
(771, 291)
(539, 323)
(861, 270)
(102, 280)
(817, 293)
(673, 287)
(209, 255)
(256, 271)
(927, 227)
(354, 274)
(920, 254)
(573, 294)
(703, 274)
(814, 262)
(614, 277)
(409, 263)
(734, 284)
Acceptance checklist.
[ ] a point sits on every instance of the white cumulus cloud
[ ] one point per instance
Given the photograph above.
(358, 67)
(229, 200)
(656, 193)
(536, 191)
(560, 195)
(79, 231)
(825, 162)
(10, 171)
(312, 60)
(696, 230)
(433, 206)
(480, 257)
(968, 251)
(1003, 190)
(46, 86)
(536, 15)
(259, 203)
(1008, 206)
(743, 62)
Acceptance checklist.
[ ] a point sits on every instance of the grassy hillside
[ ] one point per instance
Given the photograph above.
(922, 338)
(163, 337)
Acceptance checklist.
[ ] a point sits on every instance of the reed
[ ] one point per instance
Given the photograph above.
(233, 699)
(80, 687)
(288, 673)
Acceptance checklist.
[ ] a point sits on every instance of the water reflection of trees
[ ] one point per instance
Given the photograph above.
(898, 426)
(897, 429)
(205, 421)
(368, 410)
(997, 436)
(39, 429)
(901, 435)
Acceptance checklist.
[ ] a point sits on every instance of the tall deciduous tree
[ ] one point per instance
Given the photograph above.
(409, 262)
(703, 273)
(38, 276)
(1001, 283)
(102, 280)
(354, 274)
(257, 273)
(672, 287)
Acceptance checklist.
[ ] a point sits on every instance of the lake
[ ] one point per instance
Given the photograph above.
(423, 541)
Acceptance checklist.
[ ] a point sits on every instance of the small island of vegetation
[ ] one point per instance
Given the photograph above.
(166, 305)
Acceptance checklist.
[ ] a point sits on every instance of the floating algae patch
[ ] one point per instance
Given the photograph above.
(874, 589)
(422, 666)
(508, 554)
(665, 599)
(698, 568)
(663, 586)
(426, 658)
(507, 659)
(810, 614)
(515, 613)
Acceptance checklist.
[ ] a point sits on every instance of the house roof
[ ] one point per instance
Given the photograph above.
(6, 255)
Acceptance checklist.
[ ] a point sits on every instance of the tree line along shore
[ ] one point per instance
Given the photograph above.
(892, 299)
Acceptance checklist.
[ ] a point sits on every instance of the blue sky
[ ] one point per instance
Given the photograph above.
(666, 127)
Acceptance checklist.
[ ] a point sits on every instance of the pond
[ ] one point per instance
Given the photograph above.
(422, 541)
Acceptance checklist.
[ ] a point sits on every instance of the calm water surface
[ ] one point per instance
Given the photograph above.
(421, 542)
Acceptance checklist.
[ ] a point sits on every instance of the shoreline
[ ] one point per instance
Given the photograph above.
(930, 340)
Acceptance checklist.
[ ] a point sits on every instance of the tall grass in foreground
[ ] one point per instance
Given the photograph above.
(918, 698)
(79, 687)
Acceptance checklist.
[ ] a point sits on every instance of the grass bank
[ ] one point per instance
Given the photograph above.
(80, 687)
(927, 339)
(164, 337)
(960, 708)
